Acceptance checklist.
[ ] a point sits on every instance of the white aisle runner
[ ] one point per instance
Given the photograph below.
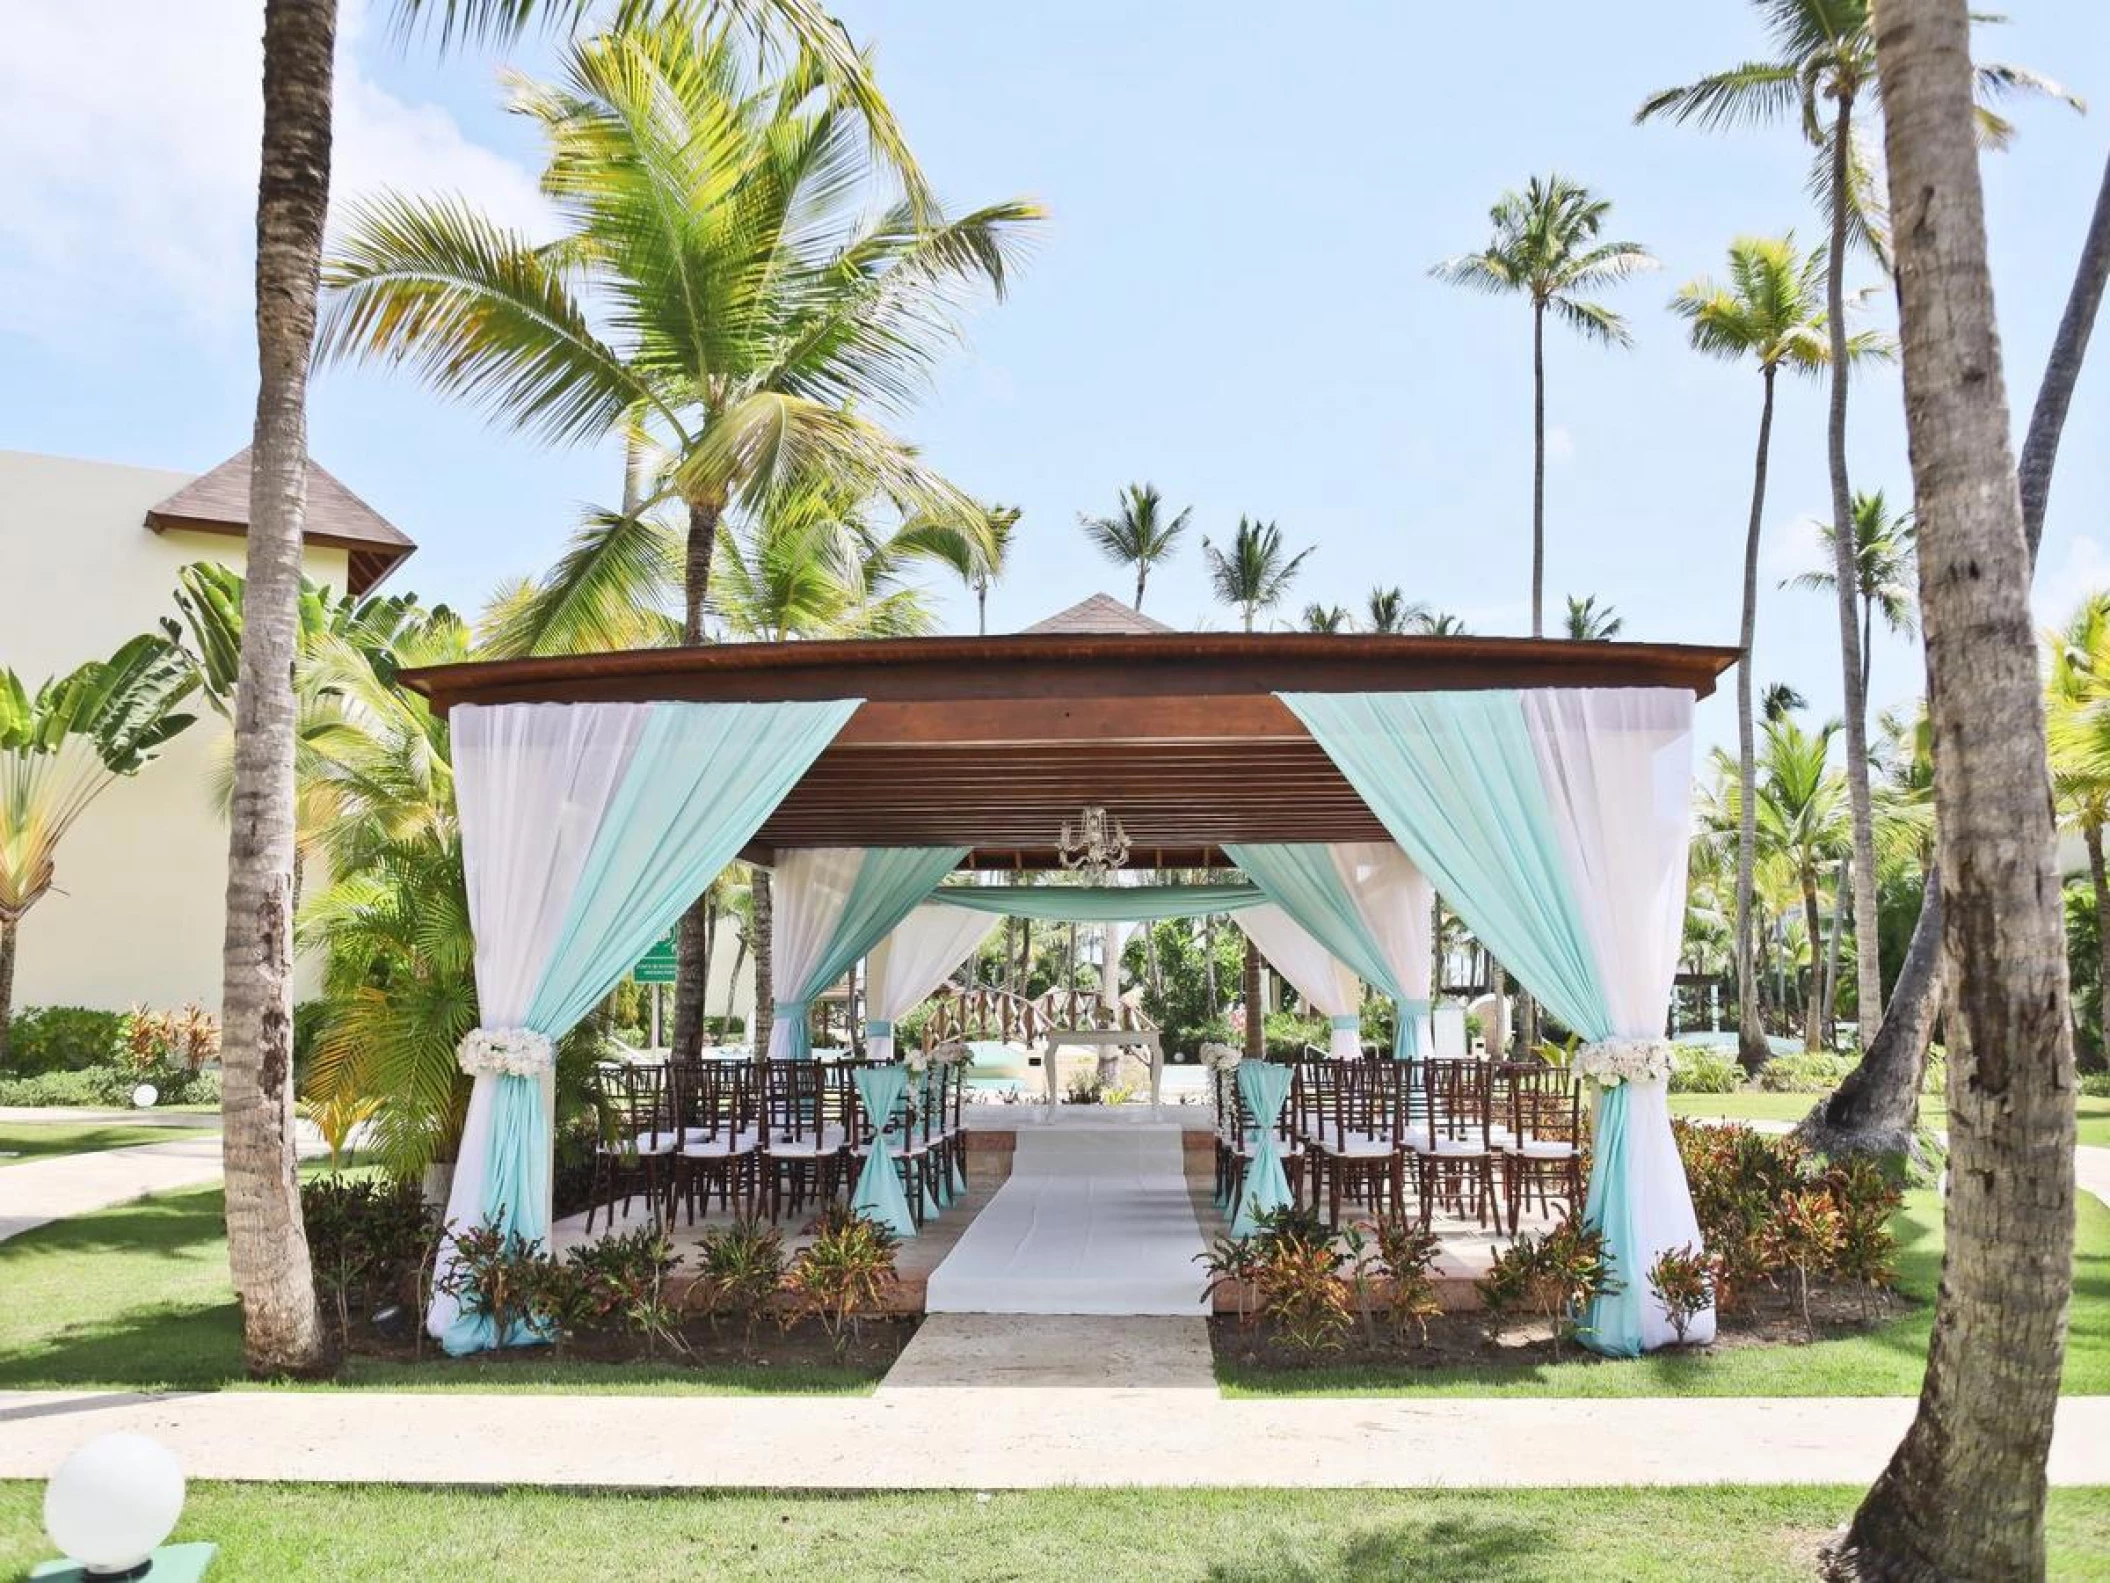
(1092, 1221)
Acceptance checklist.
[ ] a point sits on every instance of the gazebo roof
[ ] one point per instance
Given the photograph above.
(991, 742)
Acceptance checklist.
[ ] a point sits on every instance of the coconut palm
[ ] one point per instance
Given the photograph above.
(1825, 64)
(1590, 622)
(1327, 618)
(1770, 312)
(1139, 533)
(1389, 611)
(1964, 1493)
(61, 747)
(1546, 247)
(1255, 572)
(1885, 582)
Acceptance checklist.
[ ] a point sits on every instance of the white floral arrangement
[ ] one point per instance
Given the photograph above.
(1221, 1057)
(505, 1052)
(1616, 1061)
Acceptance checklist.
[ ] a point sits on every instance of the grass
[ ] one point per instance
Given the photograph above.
(1231, 1536)
(2092, 1114)
(32, 1140)
(1886, 1361)
(138, 1297)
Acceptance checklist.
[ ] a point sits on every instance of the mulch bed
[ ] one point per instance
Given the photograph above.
(1460, 1340)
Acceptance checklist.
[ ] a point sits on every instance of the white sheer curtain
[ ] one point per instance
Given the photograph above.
(913, 960)
(533, 782)
(1617, 766)
(810, 887)
(1399, 905)
(1325, 984)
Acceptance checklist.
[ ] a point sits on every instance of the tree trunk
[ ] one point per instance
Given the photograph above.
(765, 963)
(1752, 1049)
(1846, 584)
(267, 1246)
(1813, 1008)
(696, 568)
(1255, 1020)
(1538, 469)
(1863, 1115)
(8, 926)
(1964, 1494)
(2092, 833)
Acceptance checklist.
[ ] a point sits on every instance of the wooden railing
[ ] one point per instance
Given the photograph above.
(982, 1013)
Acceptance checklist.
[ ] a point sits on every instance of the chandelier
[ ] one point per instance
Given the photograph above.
(1098, 845)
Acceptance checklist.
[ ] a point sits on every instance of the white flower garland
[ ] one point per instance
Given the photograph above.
(505, 1052)
(1221, 1057)
(1614, 1061)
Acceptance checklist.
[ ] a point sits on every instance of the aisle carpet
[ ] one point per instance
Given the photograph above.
(1092, 1221)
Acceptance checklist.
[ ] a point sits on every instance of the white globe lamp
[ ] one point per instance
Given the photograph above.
(112, 1502)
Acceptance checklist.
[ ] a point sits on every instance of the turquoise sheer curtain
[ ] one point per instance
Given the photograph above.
(1302, 879)
(1455, 780)
(700, 782)
(879, 1191)
(1265, 1089)
(1101, 903)
(890, 882)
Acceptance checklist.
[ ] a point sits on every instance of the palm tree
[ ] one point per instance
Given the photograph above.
(1256, 571)
(1138, 534)
(61, 747)
(1545, 246)
(1827, 58)
(2077, 708)
(1885, 583)
(1327, 618)
(1964, 1493)
(1389, 611)
(1589, 622)
(1770, 312)
(267, 1247)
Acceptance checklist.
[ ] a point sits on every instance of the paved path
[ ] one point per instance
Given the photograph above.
(36, 1192)
(999, 1437)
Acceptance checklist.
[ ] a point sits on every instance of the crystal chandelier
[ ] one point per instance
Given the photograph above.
(1098, 845)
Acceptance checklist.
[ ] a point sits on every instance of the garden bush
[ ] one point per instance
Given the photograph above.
(1698, 1070)
(1815, 1072)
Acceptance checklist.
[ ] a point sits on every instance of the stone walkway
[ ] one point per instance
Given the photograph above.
(1025, 1435)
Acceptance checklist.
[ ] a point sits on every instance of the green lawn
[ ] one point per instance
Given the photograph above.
(31, 1140)
(1886, 1361)
(137, 1297)
(2092, 1113)
(1230, 1536)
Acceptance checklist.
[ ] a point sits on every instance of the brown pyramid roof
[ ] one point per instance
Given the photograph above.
(1100, 613)
(218, 502)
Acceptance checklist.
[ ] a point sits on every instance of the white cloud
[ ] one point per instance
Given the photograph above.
(128, 156)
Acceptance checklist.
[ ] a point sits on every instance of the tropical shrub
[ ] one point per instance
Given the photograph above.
(739, 1271)
(845, 1273)
(61, 1039)
(1699, 1070)
(1813, 1072)
(1682, 1282)
(366, 1239)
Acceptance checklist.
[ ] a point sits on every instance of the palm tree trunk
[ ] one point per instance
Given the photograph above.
(267, 1246)
(1846, 583)
(8, 926)
(1752, 1050)
(2091, 833)
(1879, 1102)
(1813, 1009)
(1964, 1494)
(1538, 469)
(765, 963)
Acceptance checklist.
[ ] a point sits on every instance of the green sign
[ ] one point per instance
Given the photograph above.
(657, 967)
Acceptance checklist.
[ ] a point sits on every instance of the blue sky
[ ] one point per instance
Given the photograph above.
(1231, 298)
